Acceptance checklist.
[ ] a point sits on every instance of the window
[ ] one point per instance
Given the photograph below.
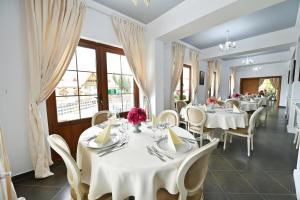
(98, 78)
(120, 83)
(76, 93)
(183, 89)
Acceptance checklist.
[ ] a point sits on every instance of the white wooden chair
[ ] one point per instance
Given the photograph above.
(196, 118)
(169, 116)
(79, 191)
(191, 175)
(231, 102)
(100, 117)
(247, 132)
(179, 105)
(297, 134)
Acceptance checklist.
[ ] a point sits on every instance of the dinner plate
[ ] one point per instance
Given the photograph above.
(183, 148)
(94, 145)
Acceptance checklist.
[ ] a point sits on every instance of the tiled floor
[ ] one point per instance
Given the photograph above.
(266, 175)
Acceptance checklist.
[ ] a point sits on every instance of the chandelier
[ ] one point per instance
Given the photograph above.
(135, 2)
(247, 61)
(228, 45)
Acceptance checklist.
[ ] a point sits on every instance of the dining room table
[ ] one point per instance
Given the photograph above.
(222, 118)
(132, 170)
(248, 105)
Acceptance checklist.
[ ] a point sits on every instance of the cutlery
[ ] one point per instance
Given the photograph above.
(110, 151)
(104, 149)
(151, 152)
(189, 140)
(162, 153)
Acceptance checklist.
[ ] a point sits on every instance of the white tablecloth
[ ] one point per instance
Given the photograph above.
(223, 118)
(248, 106)
(130, 171)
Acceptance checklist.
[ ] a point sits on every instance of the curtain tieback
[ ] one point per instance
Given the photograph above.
(4, 175)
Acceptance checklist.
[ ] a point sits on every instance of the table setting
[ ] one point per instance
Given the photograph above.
(121, 161)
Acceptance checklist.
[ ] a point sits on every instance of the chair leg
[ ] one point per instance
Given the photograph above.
(225, 139)
(252, 143)
(296, 137)
(230, 139)
(201, 140)
(248, 146)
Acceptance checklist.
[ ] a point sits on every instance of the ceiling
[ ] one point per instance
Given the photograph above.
(280, 16)
(141, 12)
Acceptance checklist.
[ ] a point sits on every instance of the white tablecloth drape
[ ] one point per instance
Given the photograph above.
(130, 171)
(248, 106)
(222, 118)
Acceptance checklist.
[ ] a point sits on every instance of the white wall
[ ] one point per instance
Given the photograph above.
(14, 84)
(276, 69)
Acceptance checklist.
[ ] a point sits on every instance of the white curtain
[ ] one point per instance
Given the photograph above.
(218, 78)
(53, 33)
(7, 191)
(131, 36)
(178, 51)
(213, 78)
(194, 58)
(208, 79)
(233, 80)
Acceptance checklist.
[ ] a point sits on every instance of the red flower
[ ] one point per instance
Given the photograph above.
(212, 100)
(236, 95)
(136, 115)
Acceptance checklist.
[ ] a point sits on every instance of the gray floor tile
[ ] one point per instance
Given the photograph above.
(245, 197)
(280, 197)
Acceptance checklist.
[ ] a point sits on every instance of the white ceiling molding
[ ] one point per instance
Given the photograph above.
(177, 23)
(279, 39)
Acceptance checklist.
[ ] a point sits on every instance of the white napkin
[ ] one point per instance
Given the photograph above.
(113, 119)
(173, 140)
(252, 100)
(235, 109)
(154, 121)
(219, 99)
(204, 107)
(104, 136)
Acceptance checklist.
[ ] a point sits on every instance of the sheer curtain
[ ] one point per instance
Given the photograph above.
(208, 78)
(178, 51)
(131, 36)
(194, 58)
(233, 79)
(7, 191)
(53, 33)
(218, 78)
(213, 78)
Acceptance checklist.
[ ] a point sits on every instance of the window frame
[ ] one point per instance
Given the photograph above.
(181, 83)
(102, 85)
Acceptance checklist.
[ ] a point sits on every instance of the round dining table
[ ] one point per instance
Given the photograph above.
(130, 171)
(222, 118)
(248, 105)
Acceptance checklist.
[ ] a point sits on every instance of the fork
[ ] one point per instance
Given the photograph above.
(162, 153)
(151, 152)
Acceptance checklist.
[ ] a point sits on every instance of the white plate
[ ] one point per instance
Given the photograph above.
(183, 148)
(114, 140)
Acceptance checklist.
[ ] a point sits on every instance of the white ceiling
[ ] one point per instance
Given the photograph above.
(267, 20)
(141, 12)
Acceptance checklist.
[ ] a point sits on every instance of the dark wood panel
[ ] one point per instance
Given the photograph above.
(249, 85)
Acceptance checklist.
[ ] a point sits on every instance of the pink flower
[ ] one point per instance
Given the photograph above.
(136, 115)
(236, 95)
(212, 100)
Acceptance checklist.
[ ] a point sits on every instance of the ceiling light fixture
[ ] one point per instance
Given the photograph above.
(228, 45)
(135, 2)
(247, 61)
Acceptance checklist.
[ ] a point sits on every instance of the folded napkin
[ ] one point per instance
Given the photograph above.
(154, 121)
(113, 119)
(104, 136)
(204, 107)
(252, 100)
(235, 109)
(219, 99)
(173, 140)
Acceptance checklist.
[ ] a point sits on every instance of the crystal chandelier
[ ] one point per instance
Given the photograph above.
(135, 2)
(228, 45)
(247, 61)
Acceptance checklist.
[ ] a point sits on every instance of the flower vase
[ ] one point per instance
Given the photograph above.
(137, 128)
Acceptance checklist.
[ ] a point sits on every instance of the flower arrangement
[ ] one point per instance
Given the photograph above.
(212, 100)
(136, 116)
(236, 95)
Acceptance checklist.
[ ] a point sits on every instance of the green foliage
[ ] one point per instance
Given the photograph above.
(123, 83)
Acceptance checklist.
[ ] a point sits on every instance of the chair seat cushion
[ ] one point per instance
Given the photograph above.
(163, 194)
(243, 131)
(197, 129)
